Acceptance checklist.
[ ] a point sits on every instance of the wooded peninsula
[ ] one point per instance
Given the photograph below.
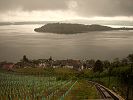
(68, 28)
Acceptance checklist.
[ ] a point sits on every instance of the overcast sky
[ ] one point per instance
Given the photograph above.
(24, 10)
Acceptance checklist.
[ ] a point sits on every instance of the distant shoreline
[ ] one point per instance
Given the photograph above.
(114, 25)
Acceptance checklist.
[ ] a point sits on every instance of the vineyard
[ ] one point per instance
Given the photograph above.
(21, 87)
(33, 87)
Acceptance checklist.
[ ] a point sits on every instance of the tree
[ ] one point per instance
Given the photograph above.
(109, 73)
(129, 76)
(98, 67)
(50, 59)
(106, 64)
(116, 62)
(124, 61)
(25, 59)
(130, 57)
(90, 63)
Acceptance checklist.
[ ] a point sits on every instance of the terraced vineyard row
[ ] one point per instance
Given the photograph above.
(22, 87)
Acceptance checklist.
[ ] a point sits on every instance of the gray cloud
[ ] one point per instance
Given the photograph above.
(105, 7)
(30, 5)
(85, 8)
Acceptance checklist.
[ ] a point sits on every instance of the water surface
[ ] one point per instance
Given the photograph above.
(19, 40)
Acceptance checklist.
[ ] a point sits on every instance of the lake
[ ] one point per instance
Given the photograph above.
(19, 40)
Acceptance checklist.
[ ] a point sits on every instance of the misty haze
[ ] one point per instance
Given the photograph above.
(66, 49)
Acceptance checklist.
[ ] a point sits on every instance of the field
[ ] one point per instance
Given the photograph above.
(82, 90)
(14, 86)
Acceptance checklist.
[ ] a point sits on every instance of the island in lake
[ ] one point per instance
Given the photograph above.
(68, 28)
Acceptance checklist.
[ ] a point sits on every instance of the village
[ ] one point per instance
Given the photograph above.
(71, 69)
(78, 65)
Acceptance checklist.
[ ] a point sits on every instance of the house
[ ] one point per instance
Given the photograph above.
(69, 63)
(8, 66)
(67, 66)
(42, 65)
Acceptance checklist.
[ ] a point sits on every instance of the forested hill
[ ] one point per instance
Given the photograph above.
(67, 28)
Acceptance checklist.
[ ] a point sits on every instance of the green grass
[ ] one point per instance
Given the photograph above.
(30, 70)
(82, 90)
